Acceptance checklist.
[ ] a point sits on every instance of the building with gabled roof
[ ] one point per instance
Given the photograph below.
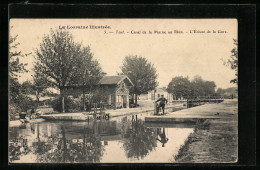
(118, 90)
(115, 87)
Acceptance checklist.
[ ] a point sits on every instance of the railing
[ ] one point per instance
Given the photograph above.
(98, 112)
(197, 102)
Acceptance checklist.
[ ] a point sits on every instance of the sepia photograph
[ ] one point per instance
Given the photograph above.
(123, 90)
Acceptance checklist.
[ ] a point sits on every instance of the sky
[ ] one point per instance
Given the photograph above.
(189, 53)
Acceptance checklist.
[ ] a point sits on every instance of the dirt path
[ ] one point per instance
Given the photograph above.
(213, 141)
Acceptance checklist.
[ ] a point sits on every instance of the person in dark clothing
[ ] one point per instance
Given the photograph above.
(162, 102)
(163, 139)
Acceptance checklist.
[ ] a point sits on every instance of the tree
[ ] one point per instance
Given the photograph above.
(38, 87)
(233, 61)
(56, 59)
(40, 84)
(89, 72)
(197, 86)
(141, 72)
(27, 87)
(182, 87)
(226, 93)
(209, 88)
(15, 68)
(179, 86)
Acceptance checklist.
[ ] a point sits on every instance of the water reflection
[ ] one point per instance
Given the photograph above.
(123, 139)
(18, 146)
(139, 140)
(86, 148)
(162, 137)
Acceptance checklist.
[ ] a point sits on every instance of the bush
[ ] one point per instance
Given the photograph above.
(21, 104)
(13, 110)
(26, 103)
(71, 104)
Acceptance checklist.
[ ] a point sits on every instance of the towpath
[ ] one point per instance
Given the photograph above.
(225, 109)
(213, 140)
(112, 113)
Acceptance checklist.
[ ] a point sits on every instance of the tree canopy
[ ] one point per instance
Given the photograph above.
(182, 87)
(15, 66)
(88, 70)
(17, 101)
(232, 62)
(62, 62)
(141, 72)
(55, 58)
(179, 86)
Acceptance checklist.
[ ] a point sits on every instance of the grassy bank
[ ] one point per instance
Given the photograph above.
(213, 140)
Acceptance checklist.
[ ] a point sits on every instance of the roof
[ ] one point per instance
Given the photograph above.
(110, 80)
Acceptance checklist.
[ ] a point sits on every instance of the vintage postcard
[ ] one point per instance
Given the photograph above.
(123, 91)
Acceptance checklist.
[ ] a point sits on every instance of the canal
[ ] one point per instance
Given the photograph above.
(118, 140)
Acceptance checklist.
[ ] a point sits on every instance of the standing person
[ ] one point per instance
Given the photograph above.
(31, 112)
(162, 102)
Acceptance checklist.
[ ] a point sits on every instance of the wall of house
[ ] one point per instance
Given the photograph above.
(110, 92)
(154, 95)
(144, 96)
(117, 95)
(75, 91)
(122, 95)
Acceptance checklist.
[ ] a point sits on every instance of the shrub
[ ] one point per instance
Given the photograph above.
(70, 104)
(13, 110)
(21, 104)
(26, 103)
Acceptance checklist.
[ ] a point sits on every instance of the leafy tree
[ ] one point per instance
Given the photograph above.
(220, 91)
(197, 86)
(141, 72)
(233, 61)
(179, 86)
(19, 102)
(14, 89)
(40, 84)
(56, 59)
(15, 68)
(209, 88)
(183, 87)
(38, 87)
(27, 87)
(89, 72)
(226, 93)
(201, 87)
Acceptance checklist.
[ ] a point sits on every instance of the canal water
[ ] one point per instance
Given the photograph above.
(118, 140)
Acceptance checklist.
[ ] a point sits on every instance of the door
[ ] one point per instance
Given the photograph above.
(124, 101)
